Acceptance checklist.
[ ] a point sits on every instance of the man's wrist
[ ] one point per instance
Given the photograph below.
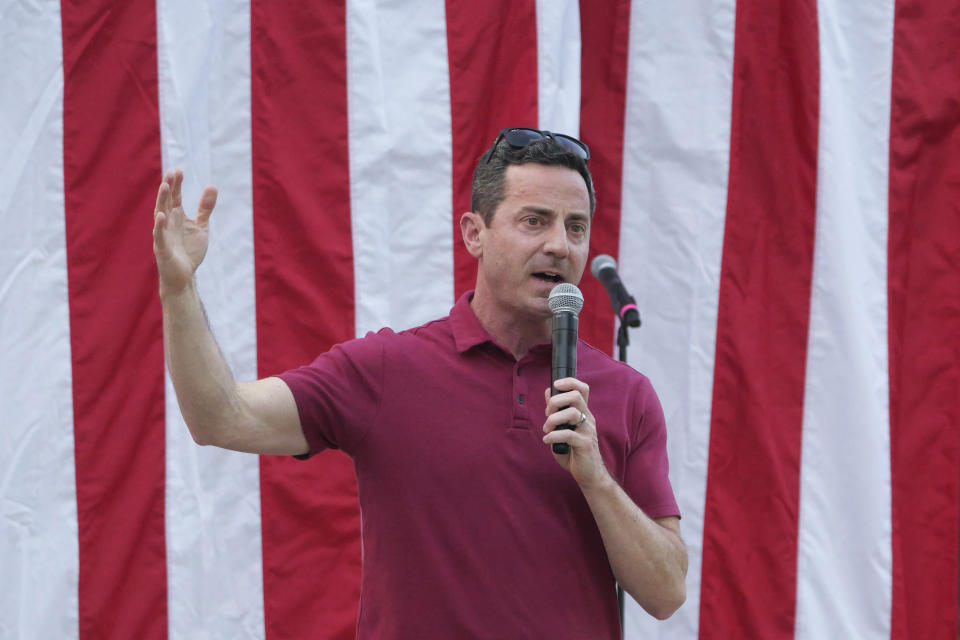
(603, 483)
(170, 294)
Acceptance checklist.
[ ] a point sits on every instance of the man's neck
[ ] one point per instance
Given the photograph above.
(515, 333)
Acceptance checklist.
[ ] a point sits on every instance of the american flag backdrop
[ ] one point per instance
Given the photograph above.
(778, 179)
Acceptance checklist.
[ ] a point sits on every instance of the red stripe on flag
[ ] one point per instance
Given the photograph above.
(748, 582)
(492, 50)
(111, 155)
(605, 41)
(304, 273)
(924, 315)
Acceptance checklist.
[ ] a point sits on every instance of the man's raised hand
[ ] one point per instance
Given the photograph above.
(179, 243)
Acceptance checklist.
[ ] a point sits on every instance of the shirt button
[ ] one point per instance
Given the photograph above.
(520, 398)
(518, 370)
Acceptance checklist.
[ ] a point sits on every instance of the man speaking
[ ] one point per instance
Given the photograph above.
(472, 526)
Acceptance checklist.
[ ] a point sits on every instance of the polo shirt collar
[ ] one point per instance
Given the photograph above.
(468, 332)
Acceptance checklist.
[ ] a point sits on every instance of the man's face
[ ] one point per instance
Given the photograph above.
(539, 236)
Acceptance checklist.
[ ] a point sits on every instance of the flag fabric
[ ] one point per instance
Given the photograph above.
(778, 180)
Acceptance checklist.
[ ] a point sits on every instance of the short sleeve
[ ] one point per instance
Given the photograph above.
(338, 395)
(646, 478)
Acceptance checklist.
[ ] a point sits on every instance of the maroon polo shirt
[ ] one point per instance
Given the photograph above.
(470, 527)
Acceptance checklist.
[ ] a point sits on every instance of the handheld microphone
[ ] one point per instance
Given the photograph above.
(604, 268)
(565, 302)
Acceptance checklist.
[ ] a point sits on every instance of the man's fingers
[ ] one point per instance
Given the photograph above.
(570, 415)
(208, 200)
(159, 222)
(163, 196)
(175, 187)
(169, 178)
(571, 437)
(566, 399)
(572, 384)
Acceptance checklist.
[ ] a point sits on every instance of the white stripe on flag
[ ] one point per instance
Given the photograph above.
(400, 163)
(676, 159)
(844, 555)
(215, 581)
(38, 501)
(558, 66)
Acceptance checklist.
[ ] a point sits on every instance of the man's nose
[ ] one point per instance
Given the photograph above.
(556, 242)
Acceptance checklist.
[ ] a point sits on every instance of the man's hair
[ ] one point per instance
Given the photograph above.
(489, 176)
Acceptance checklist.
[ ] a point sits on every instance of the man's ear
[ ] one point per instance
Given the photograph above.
(472, 227)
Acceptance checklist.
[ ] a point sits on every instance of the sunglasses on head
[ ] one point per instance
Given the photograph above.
(519, 137)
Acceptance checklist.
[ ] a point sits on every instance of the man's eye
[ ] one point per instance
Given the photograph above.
(533, 221)
(578, 228)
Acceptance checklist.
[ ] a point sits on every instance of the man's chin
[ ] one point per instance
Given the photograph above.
(540, 307)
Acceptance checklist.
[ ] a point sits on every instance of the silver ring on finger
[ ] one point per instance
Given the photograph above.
(583, 418)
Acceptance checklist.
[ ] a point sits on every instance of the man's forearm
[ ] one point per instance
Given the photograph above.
(648, 559)
(205, 387)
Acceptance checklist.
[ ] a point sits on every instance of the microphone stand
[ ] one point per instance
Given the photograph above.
(623, 341)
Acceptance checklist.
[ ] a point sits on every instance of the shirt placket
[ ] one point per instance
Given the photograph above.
(521, 394)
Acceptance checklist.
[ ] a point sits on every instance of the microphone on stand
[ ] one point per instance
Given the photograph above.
(565, 302)
(604, 269)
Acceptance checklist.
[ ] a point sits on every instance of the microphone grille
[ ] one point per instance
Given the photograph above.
(600, 263)
(565, 297)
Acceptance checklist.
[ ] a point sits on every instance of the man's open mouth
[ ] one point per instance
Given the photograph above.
(548, 277)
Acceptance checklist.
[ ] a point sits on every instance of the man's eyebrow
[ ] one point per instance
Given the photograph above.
(544, 211)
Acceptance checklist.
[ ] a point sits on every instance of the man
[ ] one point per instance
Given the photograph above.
(472, 527)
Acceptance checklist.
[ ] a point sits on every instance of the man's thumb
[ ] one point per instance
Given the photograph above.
(208, 200)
